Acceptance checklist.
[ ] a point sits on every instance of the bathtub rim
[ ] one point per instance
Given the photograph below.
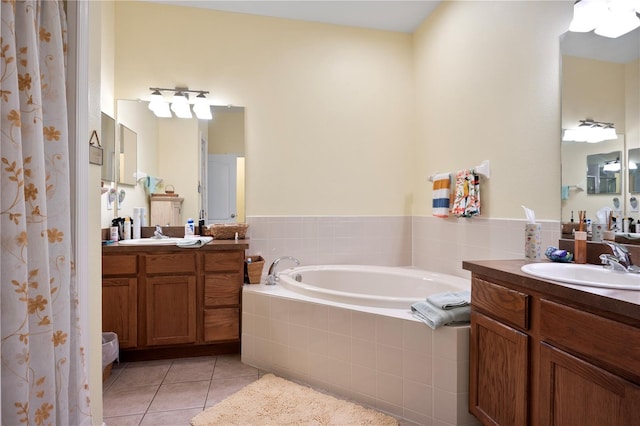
(287, 280)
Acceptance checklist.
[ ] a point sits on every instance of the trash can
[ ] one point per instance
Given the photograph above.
(109, 352)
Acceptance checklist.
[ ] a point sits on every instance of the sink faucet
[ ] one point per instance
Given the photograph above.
(619, 260)
(272, 277)
(158, 233)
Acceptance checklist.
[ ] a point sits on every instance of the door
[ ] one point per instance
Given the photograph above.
(221, 188)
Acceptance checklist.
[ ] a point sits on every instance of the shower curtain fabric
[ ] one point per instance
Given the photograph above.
(43, 371)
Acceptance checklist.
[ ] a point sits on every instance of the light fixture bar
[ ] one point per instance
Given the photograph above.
(591, 131)
(180, 103)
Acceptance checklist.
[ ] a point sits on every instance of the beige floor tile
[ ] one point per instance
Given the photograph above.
(123, 420)
(222, 388)
(228, 366)
(170, 418)
(142, 374)
(191, 369)
(125, 401)
(176, 396)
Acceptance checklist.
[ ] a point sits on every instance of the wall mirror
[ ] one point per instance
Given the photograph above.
(108, 141)
(176, 152)
(604, 173)
(600, 80)
(128, 160)
(634, 170)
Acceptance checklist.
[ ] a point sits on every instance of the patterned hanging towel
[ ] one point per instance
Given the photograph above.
(441, 184)
(467, 194)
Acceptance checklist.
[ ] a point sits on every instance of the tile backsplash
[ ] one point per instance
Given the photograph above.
(424, 242)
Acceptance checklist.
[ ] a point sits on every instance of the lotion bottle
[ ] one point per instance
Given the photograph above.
(127, 228)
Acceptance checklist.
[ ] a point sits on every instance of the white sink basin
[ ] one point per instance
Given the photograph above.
(587, 275)
(151, 242)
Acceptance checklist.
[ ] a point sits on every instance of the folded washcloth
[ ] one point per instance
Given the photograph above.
(565, 192)
(450, 299)
(467, 194)
(441, 185)
(435, 317)
(194, 242)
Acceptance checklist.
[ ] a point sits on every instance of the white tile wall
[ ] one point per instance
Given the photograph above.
(425, 242)
(399, 366)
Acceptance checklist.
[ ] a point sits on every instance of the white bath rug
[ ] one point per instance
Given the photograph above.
(272, 400)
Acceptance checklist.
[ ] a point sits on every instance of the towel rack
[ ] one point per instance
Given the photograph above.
(481, 169)
(577, 187)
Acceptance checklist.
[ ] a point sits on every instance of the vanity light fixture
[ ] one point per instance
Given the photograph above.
(591, 132)
(158, 105)
(611, 166)
(607, 18)
(201, 107)
(180, 103)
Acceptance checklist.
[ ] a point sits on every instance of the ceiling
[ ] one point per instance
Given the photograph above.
(404, 16)
(394, 15)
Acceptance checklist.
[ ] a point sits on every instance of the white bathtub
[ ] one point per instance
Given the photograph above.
(381, 286)
(349, 330)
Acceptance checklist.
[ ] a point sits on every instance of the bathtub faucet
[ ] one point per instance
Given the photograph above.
(272, 278)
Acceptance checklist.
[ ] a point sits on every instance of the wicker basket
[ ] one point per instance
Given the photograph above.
(253, 269)
(227, 231)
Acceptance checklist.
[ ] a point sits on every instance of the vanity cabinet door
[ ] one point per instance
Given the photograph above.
(119, 309)
(575, 392)
(120, 298)
(171, 309)
(498, 372)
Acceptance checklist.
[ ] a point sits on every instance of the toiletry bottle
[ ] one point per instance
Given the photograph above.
(189, 228)
(580, 247)
(127, 228)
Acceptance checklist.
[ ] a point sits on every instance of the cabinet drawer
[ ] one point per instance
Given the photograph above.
(221, 324)
(126, 264)
(500, 302)
(170, 263)
(224, 261)
(602, 339)
(222, 289)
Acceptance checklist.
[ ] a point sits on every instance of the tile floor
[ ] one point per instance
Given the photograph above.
(170, 392)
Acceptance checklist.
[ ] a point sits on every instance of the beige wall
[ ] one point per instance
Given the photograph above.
(226, 132)
(329, 109)
(488, 88)
(592, 89)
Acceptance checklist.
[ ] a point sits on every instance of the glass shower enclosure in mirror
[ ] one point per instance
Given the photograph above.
(633, 163)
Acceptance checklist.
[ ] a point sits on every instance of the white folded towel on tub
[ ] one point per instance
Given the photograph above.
(435, 317)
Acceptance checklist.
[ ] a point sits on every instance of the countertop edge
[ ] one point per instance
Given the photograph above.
(617, 302)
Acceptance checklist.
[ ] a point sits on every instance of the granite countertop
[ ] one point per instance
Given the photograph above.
(615, 302)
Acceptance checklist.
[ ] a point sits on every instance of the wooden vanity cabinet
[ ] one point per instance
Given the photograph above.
(170, 302)
(543, 354)
(120, 298)
(499, 355)
(223, 276)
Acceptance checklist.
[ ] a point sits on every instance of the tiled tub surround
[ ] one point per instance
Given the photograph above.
(320, 240)
(383, 358)
(425, 242)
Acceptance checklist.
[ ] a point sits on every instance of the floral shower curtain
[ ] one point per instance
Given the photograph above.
(43, 372)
